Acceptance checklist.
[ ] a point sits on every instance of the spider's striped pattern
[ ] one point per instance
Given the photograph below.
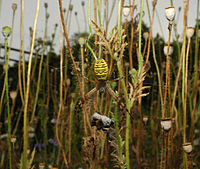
(101, 69)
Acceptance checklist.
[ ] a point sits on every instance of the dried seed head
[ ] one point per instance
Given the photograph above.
(81, 41)
(75, 13)
(190, 32)
(41, 165)
(46, 5)
(126, 11)
(166, 124)
(6, 31)
(31, 32)
(40, 41)
(170, 50)
(145, 35)
(145, 119)
(13, 94)
(50, 166)
(82, 3)
(28, 150)
(70, 7)
(14, 6)
(187, 147)
(13, 139)
(170, 13)
(127, 64)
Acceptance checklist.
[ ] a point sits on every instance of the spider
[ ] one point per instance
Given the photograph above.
(102, 77)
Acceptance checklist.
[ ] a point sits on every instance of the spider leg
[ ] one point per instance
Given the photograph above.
(118, 100)
(89, 67)
(90, 80)
(82, 101)
(113, 80)
(90, 93)
(112, 70)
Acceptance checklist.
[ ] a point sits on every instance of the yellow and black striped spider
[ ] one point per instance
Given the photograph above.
(102, 77)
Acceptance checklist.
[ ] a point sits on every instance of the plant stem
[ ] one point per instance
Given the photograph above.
(40, 70)
(25, 162)
(119, 67)
(22, 45)
(140, 37)
(186, 2)
(61, 101)
(8, 106)
(150, 30)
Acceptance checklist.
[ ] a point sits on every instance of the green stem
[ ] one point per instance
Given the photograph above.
(99, 13)
(8, 106)
(22, 44)
(127, 113)
(89, 20)
(140, 37)
(2, 95)
(119, 67)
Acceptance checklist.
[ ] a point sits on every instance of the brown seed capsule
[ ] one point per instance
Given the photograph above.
(14, 6)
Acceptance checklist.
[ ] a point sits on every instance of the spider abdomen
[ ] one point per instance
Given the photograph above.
(101, 69)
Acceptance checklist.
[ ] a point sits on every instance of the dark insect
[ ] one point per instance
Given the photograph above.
(101, 122)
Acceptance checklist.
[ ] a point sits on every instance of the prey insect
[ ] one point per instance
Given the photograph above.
(101, 122)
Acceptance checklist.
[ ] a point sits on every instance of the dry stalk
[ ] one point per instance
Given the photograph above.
(150, 31)
(71, 56)
(61, 100)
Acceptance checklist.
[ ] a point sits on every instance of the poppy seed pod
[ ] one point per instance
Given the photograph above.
(41, 165)
(50, 166)
(70, 7)
(14, 6)
(6, 31)
(190, 32)
(28, 150)
(170, 13)
(187, 147)
(170, 50)
(145, 35)
(126, 11)
(81, 41)
(13, 94)
(145, 119)
(82, 3)
(46, 5)
(13, 139)
(166, 124)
